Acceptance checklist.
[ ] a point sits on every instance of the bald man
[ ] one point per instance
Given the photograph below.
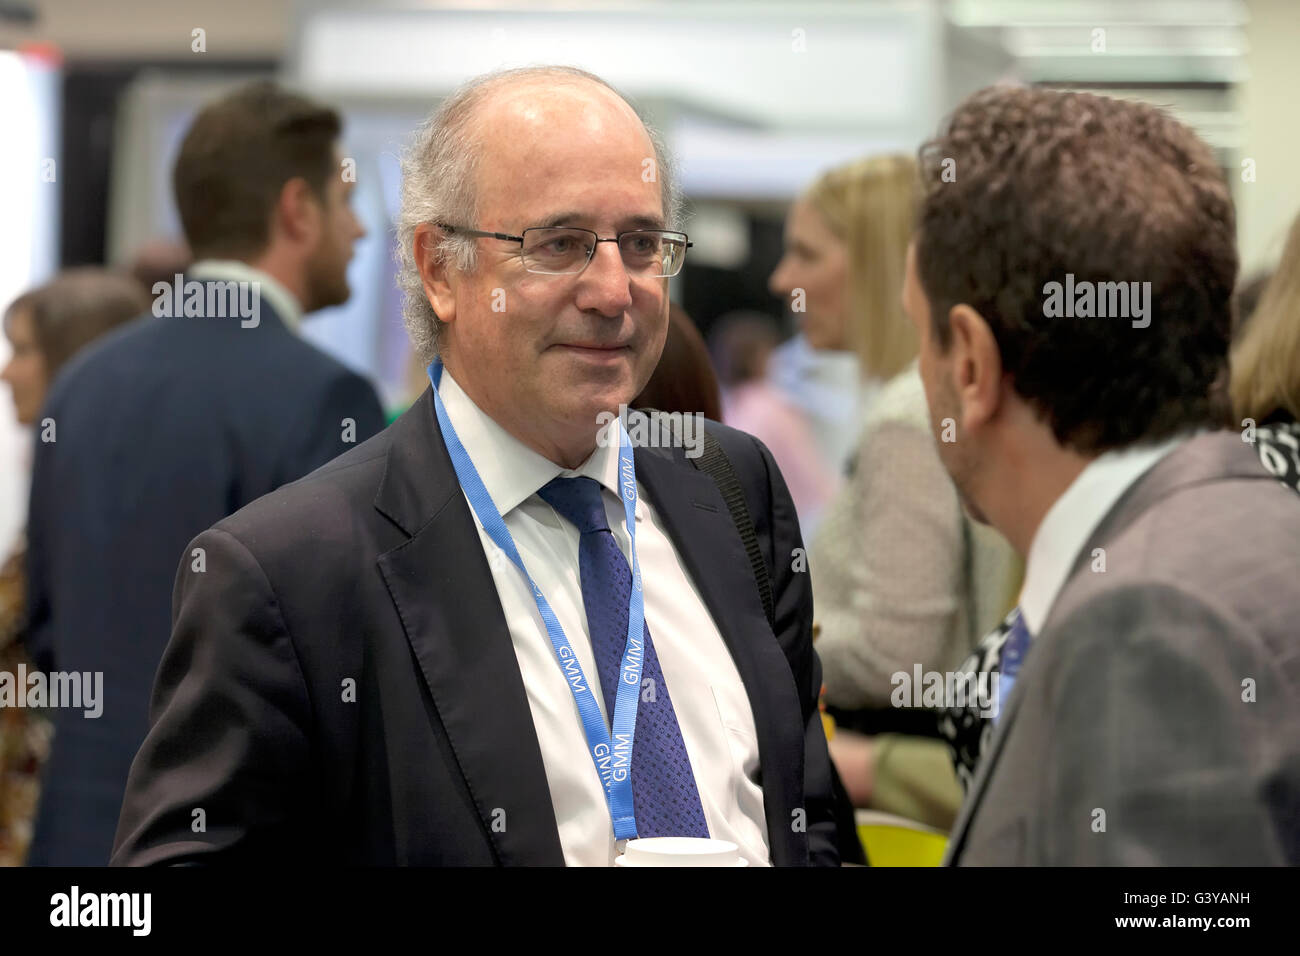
(500, 632)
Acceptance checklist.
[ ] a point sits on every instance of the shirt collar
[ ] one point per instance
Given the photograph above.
(285, 304)
(510, 470)
(1073, 517)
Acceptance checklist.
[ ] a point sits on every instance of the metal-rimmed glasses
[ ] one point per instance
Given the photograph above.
(567, 250)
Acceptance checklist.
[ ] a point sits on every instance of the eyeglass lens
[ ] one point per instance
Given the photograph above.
(559, 251)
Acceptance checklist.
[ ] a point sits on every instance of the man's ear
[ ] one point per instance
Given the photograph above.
(976, 366)
(298, 212)
(434, 272)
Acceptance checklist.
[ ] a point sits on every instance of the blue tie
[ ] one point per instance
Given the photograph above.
(664, 794)
(1010, 659)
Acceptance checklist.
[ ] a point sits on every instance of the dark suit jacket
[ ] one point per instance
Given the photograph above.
(1156, 718)
(162, 428)
(370, 574)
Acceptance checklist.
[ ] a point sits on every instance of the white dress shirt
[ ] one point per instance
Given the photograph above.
(707, 693)
(286, 305)
(1065, 528)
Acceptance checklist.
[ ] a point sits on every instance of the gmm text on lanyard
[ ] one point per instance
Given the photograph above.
(612, 754)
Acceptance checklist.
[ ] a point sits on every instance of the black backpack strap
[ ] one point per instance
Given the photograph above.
(713, 461)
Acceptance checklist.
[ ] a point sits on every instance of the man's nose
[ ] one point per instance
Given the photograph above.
(605, 285)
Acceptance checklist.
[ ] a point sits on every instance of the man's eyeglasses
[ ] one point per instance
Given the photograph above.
(647, 253)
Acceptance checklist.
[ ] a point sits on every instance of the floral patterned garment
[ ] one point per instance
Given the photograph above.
(967, 732)
(24, 733)
(1278, 445)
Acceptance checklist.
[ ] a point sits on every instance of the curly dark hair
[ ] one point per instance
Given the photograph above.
(1041, 184)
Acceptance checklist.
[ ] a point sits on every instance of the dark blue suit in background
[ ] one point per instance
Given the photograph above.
(161, 429)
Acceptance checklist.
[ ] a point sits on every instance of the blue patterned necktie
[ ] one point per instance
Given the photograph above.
(1013, 654)
(664, 794)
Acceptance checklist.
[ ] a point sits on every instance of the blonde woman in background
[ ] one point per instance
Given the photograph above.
(1265, 384)
(901, 576)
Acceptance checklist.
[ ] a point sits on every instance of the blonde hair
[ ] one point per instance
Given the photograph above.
(870, 204)
(1266, 358)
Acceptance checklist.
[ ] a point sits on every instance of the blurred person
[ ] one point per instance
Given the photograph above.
(828, 389)
(840, 247)
(904, 580)
(841, 251)
(209, 402)
(743, 343)
(1265, 382)
(158, 260)
(44, 328)
(684, 380)
(473, 734)
(1147, 706)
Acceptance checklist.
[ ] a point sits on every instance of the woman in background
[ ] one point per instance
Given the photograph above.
(683, 380)
(45, 328)
(901, 575)
(742, 345)
(1265, 384)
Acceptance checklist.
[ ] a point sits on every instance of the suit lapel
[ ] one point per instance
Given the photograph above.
(701, 529)
(443, 590)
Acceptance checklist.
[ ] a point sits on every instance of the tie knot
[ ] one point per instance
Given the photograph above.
(579, 500)
(1016, 644)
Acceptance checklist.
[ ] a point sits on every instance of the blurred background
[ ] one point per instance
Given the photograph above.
(755, 98)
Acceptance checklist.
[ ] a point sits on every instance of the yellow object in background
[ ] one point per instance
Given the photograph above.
(891, 840)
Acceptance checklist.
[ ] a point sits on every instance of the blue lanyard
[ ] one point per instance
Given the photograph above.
(611, 755)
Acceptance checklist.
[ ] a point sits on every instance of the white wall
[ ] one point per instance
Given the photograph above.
(29, 89)
(104, 29)
(1271, 132)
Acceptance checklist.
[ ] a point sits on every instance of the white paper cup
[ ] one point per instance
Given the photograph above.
(680, 851)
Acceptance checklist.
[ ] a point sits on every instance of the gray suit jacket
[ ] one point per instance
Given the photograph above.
(1156, 717)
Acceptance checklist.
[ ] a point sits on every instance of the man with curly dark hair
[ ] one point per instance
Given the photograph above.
(1071, 282)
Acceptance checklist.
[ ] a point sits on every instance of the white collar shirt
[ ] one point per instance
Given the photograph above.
(1073, 517)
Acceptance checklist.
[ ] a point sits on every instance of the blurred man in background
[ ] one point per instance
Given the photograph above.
(180, 419)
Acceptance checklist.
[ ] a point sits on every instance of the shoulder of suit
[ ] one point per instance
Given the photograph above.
(344, 484)
(902, 398)
(1218, 544)
(901, 401)
(744, 452)
(103, 354)
(747, 454)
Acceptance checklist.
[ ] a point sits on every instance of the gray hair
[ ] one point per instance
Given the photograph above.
(439, 169)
